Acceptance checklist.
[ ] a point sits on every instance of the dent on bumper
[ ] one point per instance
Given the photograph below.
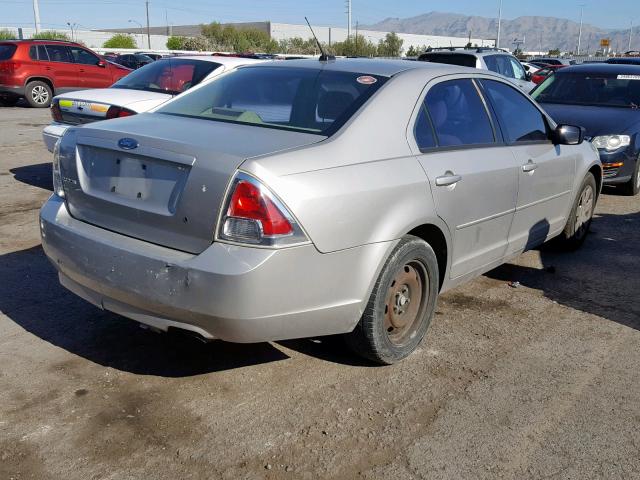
(228, 292)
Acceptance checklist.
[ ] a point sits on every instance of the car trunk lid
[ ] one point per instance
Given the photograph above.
(162, 178)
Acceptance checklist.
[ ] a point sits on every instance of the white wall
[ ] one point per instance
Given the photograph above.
(96, 39)
(281, 31)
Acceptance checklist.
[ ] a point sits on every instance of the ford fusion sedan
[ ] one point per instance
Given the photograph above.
(307, 198)
(605, 99)
(142, 90)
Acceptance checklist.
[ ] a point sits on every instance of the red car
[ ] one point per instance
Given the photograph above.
(541, 75)
(39, 69)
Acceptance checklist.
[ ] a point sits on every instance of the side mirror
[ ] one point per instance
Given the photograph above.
(102, 63)
(568, 135)
(528, 76)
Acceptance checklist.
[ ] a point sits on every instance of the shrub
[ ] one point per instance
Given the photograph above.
(120, 40)
(6, 34)
(176, 43)
(196, 44)
(51, 35)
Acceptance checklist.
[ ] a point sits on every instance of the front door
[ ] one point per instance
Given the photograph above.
(546, 171)
(473, 177)
(89, 73)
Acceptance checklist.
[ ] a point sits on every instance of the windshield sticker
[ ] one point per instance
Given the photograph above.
(628, 77)
(366, 80)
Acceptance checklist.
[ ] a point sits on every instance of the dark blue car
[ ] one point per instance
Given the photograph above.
(605, 99)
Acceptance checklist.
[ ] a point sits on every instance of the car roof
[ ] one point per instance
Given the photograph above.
(473, 51)
(620, 68)
(370, 66)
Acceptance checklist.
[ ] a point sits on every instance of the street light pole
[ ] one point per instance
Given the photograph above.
(141, 31)
(630, 35)
(580, 31)
(499, 24)
(148, 33)
(36, 15)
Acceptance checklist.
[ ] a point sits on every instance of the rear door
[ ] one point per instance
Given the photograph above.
(510, 67)
(472, 174)
(90, 74)
(61, 68)
(545, 170)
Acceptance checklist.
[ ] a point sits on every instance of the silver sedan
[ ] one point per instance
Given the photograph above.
(310, 198)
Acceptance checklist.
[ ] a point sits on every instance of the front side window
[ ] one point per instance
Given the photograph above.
(59, 53)
(519, 119)
(82, 56)
(458, 114)
(42, 53)
(303, 99)
(170, 75)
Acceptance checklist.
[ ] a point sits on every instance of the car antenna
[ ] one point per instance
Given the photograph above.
(324, 57)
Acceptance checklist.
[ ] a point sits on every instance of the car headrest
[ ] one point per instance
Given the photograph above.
(332, 104)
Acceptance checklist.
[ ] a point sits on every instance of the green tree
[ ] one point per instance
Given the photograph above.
(6, 34)
(391, 46)
(355, 46)
(554, 52)
(176, 43)
(197, 44)
(298, 46)
(413, 51)
(120, 40)
(51, 35)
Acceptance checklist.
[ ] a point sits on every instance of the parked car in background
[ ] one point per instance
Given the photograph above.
(133, 60)
(605, 99)
(530, 67)
(307, 198)
(39, 69)
(624, 60)
(152, 56)
(493, 59)
(542, 74)
(142, 90)
(553, 61)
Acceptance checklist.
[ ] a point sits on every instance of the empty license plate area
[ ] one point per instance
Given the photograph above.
(131, 180)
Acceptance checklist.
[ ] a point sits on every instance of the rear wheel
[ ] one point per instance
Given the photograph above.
(401, 305)
(9, 100)
(38, 94)
(579, 221)
(632, 187)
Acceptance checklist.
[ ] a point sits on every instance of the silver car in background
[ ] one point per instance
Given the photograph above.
(309, 198)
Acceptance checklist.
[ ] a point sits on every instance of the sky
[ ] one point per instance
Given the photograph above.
(92, 14)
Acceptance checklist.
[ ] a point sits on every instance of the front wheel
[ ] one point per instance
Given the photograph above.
(38, 94)
(401, 305)
(632, 187)
(579, 222)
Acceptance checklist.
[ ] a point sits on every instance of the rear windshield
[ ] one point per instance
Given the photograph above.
(171, 76)
(457, 59)
(7, 50)
(301, 99)
(594, 89)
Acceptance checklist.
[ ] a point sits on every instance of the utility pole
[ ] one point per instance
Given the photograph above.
(348, 18)
(580, 31)
(36, 15)
(357, 39)
(148, 32)
(499, 24)
(630, 35)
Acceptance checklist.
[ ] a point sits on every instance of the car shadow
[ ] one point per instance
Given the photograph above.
(38, 175)
(601, 278)
(31, 296)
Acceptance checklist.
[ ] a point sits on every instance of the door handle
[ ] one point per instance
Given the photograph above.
(448, 179)
(81, 71)
(529, 166)
(47, 68)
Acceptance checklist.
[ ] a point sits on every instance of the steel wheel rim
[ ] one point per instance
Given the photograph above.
(39, 94)
(405, 302)
(584, 212)
(638, 176)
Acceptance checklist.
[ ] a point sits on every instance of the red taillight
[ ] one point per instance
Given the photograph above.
(248, 202)
(9, 66)
(56, 113)
(118, 112)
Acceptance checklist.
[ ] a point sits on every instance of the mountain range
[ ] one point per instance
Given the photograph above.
(539, 33)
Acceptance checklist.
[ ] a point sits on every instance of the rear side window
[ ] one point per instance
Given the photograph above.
(458, 114)
(7, 50)
(423, 130)
(42, 53)
(461, 60)
(500, 64)
(59, 53)
(519, 119)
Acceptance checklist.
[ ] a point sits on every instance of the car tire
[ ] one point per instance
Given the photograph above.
(401, 305)
(632, 187)
(9, 101)
(579, 221)
(38, 94)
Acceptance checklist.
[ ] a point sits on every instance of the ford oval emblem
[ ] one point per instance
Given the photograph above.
(127, 143)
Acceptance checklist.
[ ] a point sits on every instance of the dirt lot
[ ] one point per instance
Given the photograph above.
(540, 381)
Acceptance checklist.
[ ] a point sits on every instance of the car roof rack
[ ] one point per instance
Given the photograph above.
(465, 48)
(42, 40)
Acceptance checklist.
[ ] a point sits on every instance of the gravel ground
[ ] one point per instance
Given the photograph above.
(539, 381)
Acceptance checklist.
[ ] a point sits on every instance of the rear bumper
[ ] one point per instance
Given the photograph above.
(11, 90)
(228, 292)
(52, 133)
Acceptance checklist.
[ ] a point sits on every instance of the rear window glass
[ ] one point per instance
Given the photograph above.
(59, 53)
(301, 99)
(457, 59)
(172, 76)
(7, 51)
